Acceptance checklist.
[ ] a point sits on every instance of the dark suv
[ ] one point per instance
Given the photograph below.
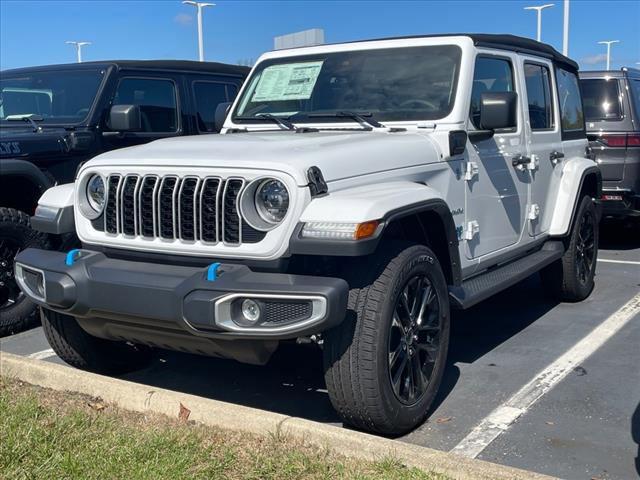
(612, 113)
(52, 118)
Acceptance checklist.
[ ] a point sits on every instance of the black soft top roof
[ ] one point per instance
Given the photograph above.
(503, 42)
(164, 65)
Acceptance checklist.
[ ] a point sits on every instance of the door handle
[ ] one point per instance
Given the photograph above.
(556, 156)
(520, 161)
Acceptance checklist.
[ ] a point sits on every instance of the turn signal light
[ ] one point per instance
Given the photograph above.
(366, 230)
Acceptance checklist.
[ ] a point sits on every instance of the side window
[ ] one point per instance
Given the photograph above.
(207, 96)
(635, 94)
(490, 75)
(538, 84)
(157, 101)
(601, 99)
(571, 112)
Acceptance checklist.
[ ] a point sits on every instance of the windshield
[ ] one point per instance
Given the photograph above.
(395, 84)
(57, 97)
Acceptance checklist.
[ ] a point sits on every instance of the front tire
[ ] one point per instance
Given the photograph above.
(571, 278)
(86, 352)
(384, 362)
(17, 312)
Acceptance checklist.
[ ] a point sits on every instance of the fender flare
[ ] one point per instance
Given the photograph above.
(22, 168)
(410, 198)
(54, 213)
(574, 175)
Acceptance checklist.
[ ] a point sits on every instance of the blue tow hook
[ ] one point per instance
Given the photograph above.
(212, 272)
(72, 256)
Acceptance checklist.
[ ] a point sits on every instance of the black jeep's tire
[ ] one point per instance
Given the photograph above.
(86, 352)
(17, 312)
(359, 371)
(571, 278)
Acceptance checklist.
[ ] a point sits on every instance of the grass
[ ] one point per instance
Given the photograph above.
(48, 434)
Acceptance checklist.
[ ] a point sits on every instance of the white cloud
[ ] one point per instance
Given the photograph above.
(183, 19)
(595, 59)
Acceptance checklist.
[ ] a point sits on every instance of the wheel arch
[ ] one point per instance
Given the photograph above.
(406, 210)
(580, 177)
(21, 185)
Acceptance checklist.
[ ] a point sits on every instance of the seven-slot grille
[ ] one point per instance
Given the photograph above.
(186, 208)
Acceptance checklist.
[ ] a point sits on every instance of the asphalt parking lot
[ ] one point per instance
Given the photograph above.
(584, 426)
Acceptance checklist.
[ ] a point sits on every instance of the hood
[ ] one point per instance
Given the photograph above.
(19, 142)
(339, 155)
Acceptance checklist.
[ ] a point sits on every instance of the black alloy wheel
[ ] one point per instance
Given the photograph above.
(414, 340)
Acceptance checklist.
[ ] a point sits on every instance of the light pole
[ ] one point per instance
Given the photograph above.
(565, 30)
(78, 46)
(199, 6)
(608, 44)
(539, 9)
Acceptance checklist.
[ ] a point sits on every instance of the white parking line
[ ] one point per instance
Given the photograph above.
(627, 262)
(500, 419)
(43, 354)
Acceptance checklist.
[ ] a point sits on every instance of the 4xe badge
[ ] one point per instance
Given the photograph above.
(9, 148)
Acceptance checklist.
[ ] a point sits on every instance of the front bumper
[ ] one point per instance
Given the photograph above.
(106, 295)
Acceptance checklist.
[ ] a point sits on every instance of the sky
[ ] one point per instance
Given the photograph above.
(237, 31)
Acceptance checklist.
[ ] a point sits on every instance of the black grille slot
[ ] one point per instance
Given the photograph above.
(146, 215)
(128, 220)
(208, 209)
(250, 234)
(111, 208)
(231, 217)
(166, 204)
(187, 206)
(280, 312)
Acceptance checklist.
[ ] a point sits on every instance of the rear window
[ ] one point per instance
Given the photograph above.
(601, 99)
(571, 112)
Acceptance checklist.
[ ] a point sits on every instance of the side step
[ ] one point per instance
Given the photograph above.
(485, 285)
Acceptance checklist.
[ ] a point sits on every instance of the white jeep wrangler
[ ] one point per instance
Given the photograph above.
(359, 192)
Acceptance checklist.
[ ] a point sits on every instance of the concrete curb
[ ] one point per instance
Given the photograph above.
(143, 398)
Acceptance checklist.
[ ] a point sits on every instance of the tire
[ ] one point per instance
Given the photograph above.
(571, 278)
(17, 312)
(86, 352)
(358, 370)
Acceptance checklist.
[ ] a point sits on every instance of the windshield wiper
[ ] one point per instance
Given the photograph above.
(32, 119)
(283, 122)
(365, 118)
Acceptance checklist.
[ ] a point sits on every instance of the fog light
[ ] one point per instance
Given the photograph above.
(251, 310)
(31, 280)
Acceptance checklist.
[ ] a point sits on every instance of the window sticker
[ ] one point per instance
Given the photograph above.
(293, 81)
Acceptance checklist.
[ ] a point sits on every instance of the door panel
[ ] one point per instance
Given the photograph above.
(544, 145)
(496, 197)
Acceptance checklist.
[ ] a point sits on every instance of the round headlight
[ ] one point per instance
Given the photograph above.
(272, 201)
(95, 193)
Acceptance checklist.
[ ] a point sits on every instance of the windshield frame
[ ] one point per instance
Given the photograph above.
(311, 55)
(17, 73)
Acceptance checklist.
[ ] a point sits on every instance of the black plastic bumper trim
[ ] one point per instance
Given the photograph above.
(96, 286)
(56, 221)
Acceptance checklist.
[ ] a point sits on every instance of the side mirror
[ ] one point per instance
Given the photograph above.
(498, 110)
(221, 114)
(125, 118)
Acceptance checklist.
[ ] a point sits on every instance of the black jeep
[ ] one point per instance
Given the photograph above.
(52, 118)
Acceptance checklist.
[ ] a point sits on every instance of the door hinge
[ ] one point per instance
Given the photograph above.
(534, 211)
(471, 170)
(534, 163)
(472, 229)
